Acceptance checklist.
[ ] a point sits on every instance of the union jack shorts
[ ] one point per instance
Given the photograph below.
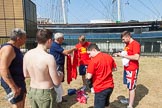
(130, 78)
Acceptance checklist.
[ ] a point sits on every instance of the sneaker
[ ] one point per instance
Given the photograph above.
(124, 101)
(129, 107)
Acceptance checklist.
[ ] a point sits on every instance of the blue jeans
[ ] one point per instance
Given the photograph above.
(102, 98)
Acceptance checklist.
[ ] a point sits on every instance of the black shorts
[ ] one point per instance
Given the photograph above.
(82, 69)
(8, 90)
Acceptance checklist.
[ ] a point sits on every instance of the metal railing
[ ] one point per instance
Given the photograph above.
(148, 48)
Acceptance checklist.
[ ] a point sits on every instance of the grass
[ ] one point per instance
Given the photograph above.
(148, 92)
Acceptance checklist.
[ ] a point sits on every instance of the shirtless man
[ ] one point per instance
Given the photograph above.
(41, 68)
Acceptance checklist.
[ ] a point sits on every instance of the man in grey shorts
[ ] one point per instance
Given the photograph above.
(41, 68)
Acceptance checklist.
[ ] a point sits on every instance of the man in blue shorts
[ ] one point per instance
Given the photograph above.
(83, 57)
(11, 68)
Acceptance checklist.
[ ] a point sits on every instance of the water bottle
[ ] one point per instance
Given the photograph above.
(9, 96)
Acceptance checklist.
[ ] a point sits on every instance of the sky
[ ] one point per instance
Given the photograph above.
(83, 11)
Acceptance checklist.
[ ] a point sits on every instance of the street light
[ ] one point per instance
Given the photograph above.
(159, 42)
(108, 45)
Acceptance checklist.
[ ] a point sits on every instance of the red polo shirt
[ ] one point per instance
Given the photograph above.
(101, 69)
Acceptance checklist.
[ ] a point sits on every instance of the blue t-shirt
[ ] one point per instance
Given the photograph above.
(56, 50)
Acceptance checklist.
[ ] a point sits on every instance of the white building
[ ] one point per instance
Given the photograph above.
(102, 21)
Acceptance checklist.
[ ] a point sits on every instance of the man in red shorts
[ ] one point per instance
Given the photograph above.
(132, 50)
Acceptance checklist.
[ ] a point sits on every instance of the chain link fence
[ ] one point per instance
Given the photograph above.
(109, 43)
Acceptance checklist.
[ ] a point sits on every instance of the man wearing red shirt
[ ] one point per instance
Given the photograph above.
(132, 49)
(100, 70)
(83, 57)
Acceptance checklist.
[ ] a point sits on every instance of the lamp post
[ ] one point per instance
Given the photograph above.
(108, 45)
(159, 42)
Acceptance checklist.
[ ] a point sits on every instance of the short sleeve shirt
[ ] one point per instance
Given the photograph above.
(56, 50)
(132, 48)
(101, 69)
(82, 53)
